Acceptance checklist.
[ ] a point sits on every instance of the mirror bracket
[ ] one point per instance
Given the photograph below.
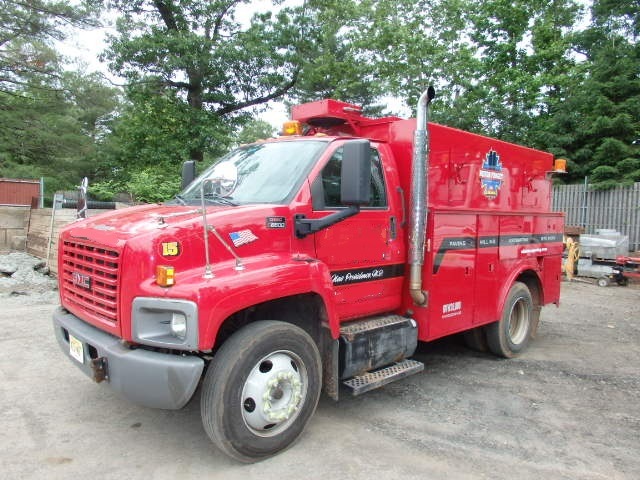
(306, 226)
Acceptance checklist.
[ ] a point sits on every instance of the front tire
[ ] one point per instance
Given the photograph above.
(261, 389)
(509, 336)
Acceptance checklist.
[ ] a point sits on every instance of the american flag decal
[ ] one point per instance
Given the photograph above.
(242, 237)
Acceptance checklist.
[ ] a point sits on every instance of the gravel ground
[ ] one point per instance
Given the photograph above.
(568, 408)
(22, 275)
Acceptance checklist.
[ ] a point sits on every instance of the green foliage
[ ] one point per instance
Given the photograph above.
(338, 64)
(604, 173)
(26, 29)
(518, 70)
(149, 185)
(598, 122)
(629, 165)
(45, 131)
(254, 130)
(192, 69)
(205, 62)
(148, 141)
(49, 119)
(94, 102)
(610, 152)
(633, 176)
(524, 71)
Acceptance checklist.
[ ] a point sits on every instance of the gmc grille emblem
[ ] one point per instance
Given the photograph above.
(81, 280)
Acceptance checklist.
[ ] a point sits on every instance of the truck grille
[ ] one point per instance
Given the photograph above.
(90, 280)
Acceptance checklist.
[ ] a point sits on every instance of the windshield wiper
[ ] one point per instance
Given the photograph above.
(214, 197)
(181, 199)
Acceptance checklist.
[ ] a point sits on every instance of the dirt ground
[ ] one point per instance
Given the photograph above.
(569, 408)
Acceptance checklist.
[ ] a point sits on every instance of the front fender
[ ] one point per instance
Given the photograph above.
(259, 284)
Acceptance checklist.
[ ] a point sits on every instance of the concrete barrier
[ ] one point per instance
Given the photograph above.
(14, 222)
(42, 233)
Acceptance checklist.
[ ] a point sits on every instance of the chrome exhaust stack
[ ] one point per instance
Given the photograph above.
(419, 196)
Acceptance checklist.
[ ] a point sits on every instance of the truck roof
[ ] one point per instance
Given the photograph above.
(465, 169)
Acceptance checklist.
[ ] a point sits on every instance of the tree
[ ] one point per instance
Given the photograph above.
(598, 124)
(524, 48)
(518, 70)
(95, 102)
(149, 140)
(26, 27)
(46, 129)
(400, 47)
(341, 67)
(255, 130)
(200, 55)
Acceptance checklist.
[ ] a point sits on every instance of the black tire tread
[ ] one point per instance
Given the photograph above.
(496, 333)
(221, 369)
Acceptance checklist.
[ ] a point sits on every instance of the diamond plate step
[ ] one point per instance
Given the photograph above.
(351, 329)
(372, 380)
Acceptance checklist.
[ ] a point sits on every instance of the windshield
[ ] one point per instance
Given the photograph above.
(258, 173)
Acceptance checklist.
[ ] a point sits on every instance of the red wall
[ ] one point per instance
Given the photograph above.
(18, 192)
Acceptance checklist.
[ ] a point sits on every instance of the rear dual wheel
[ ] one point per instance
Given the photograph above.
(261, 389)
(511, 334)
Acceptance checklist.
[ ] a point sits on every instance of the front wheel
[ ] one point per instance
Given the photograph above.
(261, 389)
(511, 334)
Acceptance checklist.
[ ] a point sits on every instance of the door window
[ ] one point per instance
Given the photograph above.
(327, 186)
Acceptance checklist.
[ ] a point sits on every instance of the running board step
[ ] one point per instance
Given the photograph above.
(372, 380)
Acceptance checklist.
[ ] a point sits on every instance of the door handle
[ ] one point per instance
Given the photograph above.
(393, 230)
(404, 214)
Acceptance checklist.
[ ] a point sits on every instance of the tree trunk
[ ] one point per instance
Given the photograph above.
(194, 98)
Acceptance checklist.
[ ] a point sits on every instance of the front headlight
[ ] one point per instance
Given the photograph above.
(165, 323)
(179, 325)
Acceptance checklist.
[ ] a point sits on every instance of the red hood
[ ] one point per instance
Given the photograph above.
(141, 219)
(115, 228)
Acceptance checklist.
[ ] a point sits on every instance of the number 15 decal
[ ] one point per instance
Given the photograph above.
(170, 249)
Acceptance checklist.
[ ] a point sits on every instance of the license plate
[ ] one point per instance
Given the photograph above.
(76, 349)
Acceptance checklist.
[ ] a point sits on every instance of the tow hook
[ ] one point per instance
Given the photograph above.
(99, 367)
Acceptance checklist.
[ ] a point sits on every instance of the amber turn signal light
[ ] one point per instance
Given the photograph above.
(165, 275)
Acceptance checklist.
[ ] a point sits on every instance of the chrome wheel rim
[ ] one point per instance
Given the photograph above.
(519, 321)
(274, 393)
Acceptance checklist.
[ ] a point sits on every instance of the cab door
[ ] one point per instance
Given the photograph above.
(364, 252)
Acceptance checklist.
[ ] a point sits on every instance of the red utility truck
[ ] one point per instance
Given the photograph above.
(313, 261)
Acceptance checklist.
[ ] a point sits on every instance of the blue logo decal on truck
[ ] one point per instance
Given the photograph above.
(491, 175)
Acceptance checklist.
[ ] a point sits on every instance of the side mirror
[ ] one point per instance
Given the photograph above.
(188, 173)
(356, 173)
